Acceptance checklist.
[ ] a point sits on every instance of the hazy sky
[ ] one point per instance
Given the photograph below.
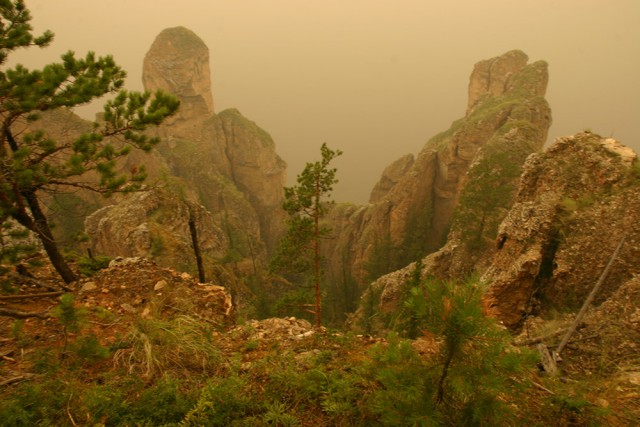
(373, 78)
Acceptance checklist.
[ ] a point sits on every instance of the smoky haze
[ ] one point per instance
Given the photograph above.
(375, 79)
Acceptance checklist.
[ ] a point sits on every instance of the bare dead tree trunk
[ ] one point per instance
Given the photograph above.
(196, 246)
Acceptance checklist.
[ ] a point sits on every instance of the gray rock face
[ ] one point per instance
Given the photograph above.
(206, 149)
(491, 77)
(573, 204)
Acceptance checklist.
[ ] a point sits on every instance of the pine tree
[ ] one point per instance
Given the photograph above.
(299, 250)
(32, 162)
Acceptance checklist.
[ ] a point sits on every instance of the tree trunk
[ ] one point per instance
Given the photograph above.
(316, 249)
(40, 226)
(196, 245)
(443, 375)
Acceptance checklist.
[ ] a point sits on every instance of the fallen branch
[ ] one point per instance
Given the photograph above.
(542, 387)
(549, 359)
(541, 338)
(587, 302)
(27, 296)
(73, 422)
(28, 278)
(587, 338)
(538, 339)
(17, 314)
(12, 380)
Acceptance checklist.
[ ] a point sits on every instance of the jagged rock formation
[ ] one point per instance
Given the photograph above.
(460, 185)
(222, 162)
(211, 151)
(575, 202)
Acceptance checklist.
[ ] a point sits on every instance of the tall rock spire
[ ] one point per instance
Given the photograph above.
(178, 62)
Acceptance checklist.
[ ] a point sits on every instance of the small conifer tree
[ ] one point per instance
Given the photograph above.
(299, 250)
(475, 362)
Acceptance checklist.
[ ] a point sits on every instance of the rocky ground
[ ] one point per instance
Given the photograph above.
(135, 305)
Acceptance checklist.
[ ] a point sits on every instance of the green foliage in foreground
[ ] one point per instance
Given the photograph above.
(469, 376)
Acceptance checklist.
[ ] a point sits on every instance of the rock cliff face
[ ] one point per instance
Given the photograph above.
(460, 185)
(222, 162)
(575, 202)
(390, 177)
(205, 148)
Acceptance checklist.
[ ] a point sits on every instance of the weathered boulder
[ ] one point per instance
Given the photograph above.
(155, 225)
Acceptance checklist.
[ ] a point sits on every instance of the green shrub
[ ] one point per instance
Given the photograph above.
(222, 402)
(472, 372)
(37, 404)
(276, 414)
(405, 386)
(89, 348)
(160, 404)
(90, 266)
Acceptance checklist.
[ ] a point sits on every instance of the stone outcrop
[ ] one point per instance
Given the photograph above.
(491, 77)
(575, 202)
(458, 188)
(222, 162)
(154, 224)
